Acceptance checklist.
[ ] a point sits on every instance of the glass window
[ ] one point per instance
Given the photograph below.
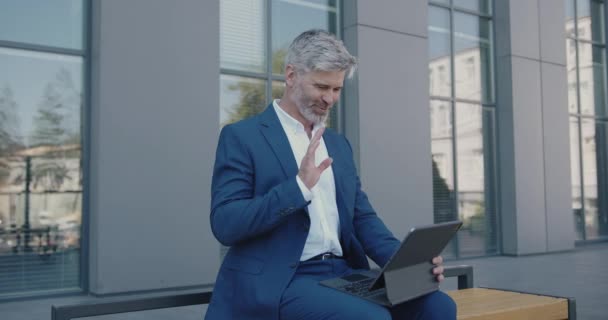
(586, 64)
(251, 75)
(240, 98)
(575, 173)
(41, 103)
(243, 35)
(482, 6)
(290, 18)
(472, 58)
(591, 71)
(461, 89)
(440, 62)
(590, 20)
(56, 23)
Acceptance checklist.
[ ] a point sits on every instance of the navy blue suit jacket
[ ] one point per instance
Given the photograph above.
(258, 210)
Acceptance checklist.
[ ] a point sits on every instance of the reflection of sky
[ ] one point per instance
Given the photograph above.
(470, 31)
(56, 23)
(291, 17)
(27, 74)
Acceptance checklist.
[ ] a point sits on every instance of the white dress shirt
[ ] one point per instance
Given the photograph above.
(323, 210)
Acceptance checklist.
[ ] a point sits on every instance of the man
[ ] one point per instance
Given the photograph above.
(287, 199)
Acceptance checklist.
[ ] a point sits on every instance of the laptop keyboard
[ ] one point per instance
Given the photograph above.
(360, 288)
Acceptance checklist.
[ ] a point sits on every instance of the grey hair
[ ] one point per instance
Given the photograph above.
(318, 50)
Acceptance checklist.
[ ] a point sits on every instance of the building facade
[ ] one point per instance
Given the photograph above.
(492, 112)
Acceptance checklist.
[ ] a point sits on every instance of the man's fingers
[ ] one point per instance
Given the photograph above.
(440, 278)
(325, 164)
(318, 134)
(438, 260)
(312, 147)
(438, 270)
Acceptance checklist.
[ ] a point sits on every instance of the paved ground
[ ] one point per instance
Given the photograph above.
(580, 274)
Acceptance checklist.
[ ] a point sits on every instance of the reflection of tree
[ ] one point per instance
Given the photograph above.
(278, 60)
(56, 124)
(252, 95)
(442, 197)
(9, 121)
(9, 130)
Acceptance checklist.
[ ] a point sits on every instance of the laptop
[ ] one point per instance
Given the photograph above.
(407, 275)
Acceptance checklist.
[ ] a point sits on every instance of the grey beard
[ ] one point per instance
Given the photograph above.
(311, 116)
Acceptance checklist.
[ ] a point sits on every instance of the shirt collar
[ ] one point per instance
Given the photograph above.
(290, 123)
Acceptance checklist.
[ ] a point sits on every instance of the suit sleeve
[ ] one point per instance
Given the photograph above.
(377, 240)
(236, 213)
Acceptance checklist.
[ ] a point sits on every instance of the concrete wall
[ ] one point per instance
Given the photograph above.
(533, 144)
(154, 128)
(387, 108)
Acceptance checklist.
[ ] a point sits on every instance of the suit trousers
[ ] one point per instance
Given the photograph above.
(306, 299)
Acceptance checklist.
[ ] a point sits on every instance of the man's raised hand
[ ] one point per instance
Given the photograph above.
(309, 172)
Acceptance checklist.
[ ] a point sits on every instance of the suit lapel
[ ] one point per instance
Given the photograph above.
(275, 136)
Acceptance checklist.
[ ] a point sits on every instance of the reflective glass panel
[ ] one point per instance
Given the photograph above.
(440, 65)
(482, 6)
(243, 35)
(601, 139)
(240, 98)
(57, 23)
(572, 75)
(291, 17)
(569, 6)
(40, 170)
(592, 79)
(575, 174)
(471, 178)
(278, 87)
(590, 175)
(590, 19)
(442, 161)
(472, 58)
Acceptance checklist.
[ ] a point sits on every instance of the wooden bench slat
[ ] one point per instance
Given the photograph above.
(482, 304)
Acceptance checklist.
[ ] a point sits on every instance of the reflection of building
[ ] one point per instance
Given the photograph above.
(586, 67)
(469, 134)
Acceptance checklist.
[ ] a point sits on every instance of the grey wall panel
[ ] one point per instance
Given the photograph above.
(524, 28)
(528, 156)
(396, 15)
(394, 127)
(502, 26)
(552, 35)
(349, 14)
(351, 95)
(155, 123)
(559, 217)
(506, 161)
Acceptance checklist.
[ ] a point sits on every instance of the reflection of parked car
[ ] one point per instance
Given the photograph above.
(6, 241)
(68, 235)
(22, 239)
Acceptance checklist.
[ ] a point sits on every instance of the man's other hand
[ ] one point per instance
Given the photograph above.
(438, 269)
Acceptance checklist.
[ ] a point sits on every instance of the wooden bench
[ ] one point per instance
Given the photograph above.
(486, 304)
(473, 303)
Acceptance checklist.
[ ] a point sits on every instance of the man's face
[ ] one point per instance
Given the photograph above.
(315, 93)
